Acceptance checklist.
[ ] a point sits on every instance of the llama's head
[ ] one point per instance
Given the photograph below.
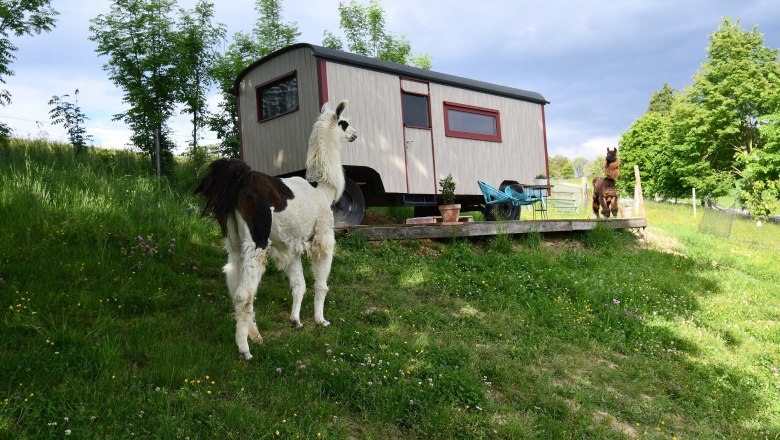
(611, 154)
(345, 131)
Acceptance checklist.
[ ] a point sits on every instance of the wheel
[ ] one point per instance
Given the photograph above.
(502, 211)
(349, 209)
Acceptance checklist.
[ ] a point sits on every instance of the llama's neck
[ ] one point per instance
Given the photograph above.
(323, 161)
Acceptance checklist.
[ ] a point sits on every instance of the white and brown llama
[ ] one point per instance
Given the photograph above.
(264, 216)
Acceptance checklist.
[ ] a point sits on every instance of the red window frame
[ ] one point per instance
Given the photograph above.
(474, 110)
(259, 95)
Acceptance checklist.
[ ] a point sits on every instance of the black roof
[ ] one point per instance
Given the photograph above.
(398, 69)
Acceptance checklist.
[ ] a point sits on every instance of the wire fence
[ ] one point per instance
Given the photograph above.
(733, 223)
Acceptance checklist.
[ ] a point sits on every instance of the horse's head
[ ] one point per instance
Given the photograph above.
(346, 131)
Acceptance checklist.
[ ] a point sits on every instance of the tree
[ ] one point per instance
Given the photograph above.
(364, 29)
(719, 130)
(268, 35)
(738, 85)
(138, 38)
(561, 167)
(18, 18)
(72, 119)
(661, 101)
(761, 174)
(196, 40)
(579, 164)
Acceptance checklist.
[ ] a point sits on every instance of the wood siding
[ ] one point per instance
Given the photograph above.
(519, 156)
(375, 112)
(279, 145)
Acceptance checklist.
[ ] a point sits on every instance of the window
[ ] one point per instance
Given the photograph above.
(415, 110)
(277, 97)
(469, 122)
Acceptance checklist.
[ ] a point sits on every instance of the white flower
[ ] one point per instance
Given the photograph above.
(67, 432)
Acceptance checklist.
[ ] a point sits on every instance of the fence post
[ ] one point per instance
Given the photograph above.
(157, 151)
(639, 201)
(694, 203)
(585, 193)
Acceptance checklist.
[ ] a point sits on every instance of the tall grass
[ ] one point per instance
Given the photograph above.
(104, 333)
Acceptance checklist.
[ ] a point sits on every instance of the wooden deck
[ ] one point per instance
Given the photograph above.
(478, 229)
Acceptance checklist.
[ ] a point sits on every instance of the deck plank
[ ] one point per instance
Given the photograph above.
(479, 229)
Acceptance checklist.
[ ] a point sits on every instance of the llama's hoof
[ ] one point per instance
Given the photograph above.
(254, 335)
(324, 323)
(296, 324)
(245, 356)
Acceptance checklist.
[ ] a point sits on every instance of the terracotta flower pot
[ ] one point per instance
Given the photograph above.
(449, 213)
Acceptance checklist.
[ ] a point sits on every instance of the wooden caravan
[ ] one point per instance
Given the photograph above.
(414, 127)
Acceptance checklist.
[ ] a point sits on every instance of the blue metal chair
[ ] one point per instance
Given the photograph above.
(509, 195)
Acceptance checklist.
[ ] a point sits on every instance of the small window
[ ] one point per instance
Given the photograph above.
(277, 97)
(415, 110)
(469, 122)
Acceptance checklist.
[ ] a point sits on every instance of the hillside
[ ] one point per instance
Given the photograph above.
(115, 323)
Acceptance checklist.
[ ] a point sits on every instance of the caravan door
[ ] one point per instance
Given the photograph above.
(415, 104)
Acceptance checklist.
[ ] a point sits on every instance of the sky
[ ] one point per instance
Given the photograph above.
(596, 61)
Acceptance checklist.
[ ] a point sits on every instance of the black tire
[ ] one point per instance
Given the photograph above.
(502, 211)
(350, 208)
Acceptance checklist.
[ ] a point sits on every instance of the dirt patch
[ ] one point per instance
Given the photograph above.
(617, 425)
(374, 218)
(657, 240)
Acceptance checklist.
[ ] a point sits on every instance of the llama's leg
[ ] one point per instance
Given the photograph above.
(294, 271)
(595, 206)
(321, 262)
(615, 207)
(251, 269)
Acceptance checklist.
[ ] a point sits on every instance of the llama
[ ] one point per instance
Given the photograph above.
(612, 165)
(262, 216)
(604, 191)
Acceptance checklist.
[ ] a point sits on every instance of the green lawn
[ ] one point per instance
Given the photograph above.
(115, 323)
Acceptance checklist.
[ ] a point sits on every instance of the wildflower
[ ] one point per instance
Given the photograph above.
(615, 301)
(278, 370)
(67, 432)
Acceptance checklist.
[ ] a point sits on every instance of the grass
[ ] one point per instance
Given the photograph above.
(104, 333)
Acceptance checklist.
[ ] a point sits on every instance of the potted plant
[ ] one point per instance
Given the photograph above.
(449, 210)
(540, 179)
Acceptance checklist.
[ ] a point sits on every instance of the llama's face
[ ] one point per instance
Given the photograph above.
(347, 132)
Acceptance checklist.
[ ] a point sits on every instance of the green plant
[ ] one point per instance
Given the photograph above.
(590, 336)
(541, 176)
(447, 187)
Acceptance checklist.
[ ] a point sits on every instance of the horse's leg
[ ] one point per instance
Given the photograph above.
(321, 261)
(294, 271)
(252, 267)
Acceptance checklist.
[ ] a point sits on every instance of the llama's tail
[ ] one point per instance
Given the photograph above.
(227, 188)
(222, 185)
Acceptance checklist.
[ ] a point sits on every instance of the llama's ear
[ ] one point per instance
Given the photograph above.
(340, 108)
(325, 107)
